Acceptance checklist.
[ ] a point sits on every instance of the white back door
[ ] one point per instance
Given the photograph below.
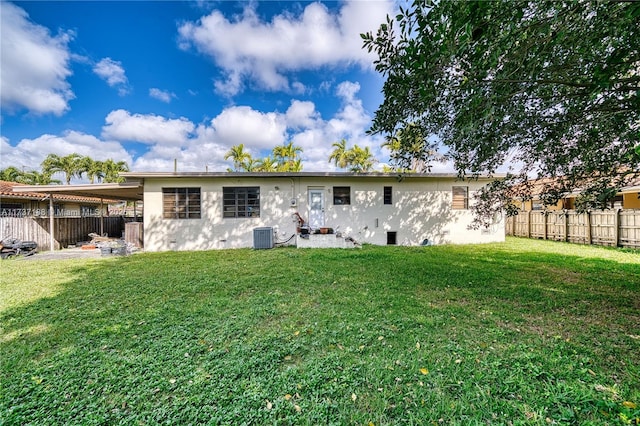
(316, 208)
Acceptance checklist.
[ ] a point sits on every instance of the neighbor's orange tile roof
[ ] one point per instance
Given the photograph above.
(6, 191)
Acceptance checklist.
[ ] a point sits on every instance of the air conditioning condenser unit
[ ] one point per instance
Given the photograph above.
(263, 238)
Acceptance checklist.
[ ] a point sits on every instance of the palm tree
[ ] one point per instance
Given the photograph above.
(11, 174)
(295, 165)
(287, 157)
(360, 160)
(70, 165)
(338, 155)
(292, 151)
(267, 164)
(356, 159)
(251, 164)
(409, 147)
(111, 170)
(239, 156)
(33, 177)
(93, 169)
(36, 178)
(280, 154)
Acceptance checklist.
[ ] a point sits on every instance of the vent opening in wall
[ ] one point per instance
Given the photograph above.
(392, 238)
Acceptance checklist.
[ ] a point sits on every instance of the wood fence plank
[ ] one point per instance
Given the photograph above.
(616, 227)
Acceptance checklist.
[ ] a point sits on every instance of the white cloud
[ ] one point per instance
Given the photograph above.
(112, 72)
(301, 114)
(260, 132)
(231, 86)
(202, 147)
(150, 128)
(199, 157)
(242, 124)
(316, 145)
(203, 153)
(349, 122)
(34, 65)
(299, 88)
(351, 119)
(246, 47)
(208, 143)
(347, 90)
(161, 95)
(325, 86)
(29, 153)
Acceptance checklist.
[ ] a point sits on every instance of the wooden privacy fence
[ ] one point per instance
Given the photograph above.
(617, 228)
(67, 230)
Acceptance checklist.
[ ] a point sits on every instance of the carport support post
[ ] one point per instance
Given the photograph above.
(101, 218)
(52, 241)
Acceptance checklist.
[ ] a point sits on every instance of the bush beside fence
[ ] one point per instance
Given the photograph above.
(616, 228)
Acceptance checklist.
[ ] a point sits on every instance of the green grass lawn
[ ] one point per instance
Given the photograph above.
(525, 332)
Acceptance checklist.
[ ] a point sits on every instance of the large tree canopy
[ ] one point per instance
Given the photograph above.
(536, 89)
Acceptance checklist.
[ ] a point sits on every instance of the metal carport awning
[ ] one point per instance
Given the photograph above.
(129, 191)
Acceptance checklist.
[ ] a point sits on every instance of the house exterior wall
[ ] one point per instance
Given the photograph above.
(421, 210)
(630, 200)
(566, 203)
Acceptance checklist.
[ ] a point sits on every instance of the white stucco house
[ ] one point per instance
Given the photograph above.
(203, 211)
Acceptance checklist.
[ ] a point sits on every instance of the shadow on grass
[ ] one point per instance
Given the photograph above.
(384, 334)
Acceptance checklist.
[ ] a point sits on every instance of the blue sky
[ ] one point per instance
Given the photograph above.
(150, 82)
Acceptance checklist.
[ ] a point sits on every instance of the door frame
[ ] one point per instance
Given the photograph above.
(313, 218)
